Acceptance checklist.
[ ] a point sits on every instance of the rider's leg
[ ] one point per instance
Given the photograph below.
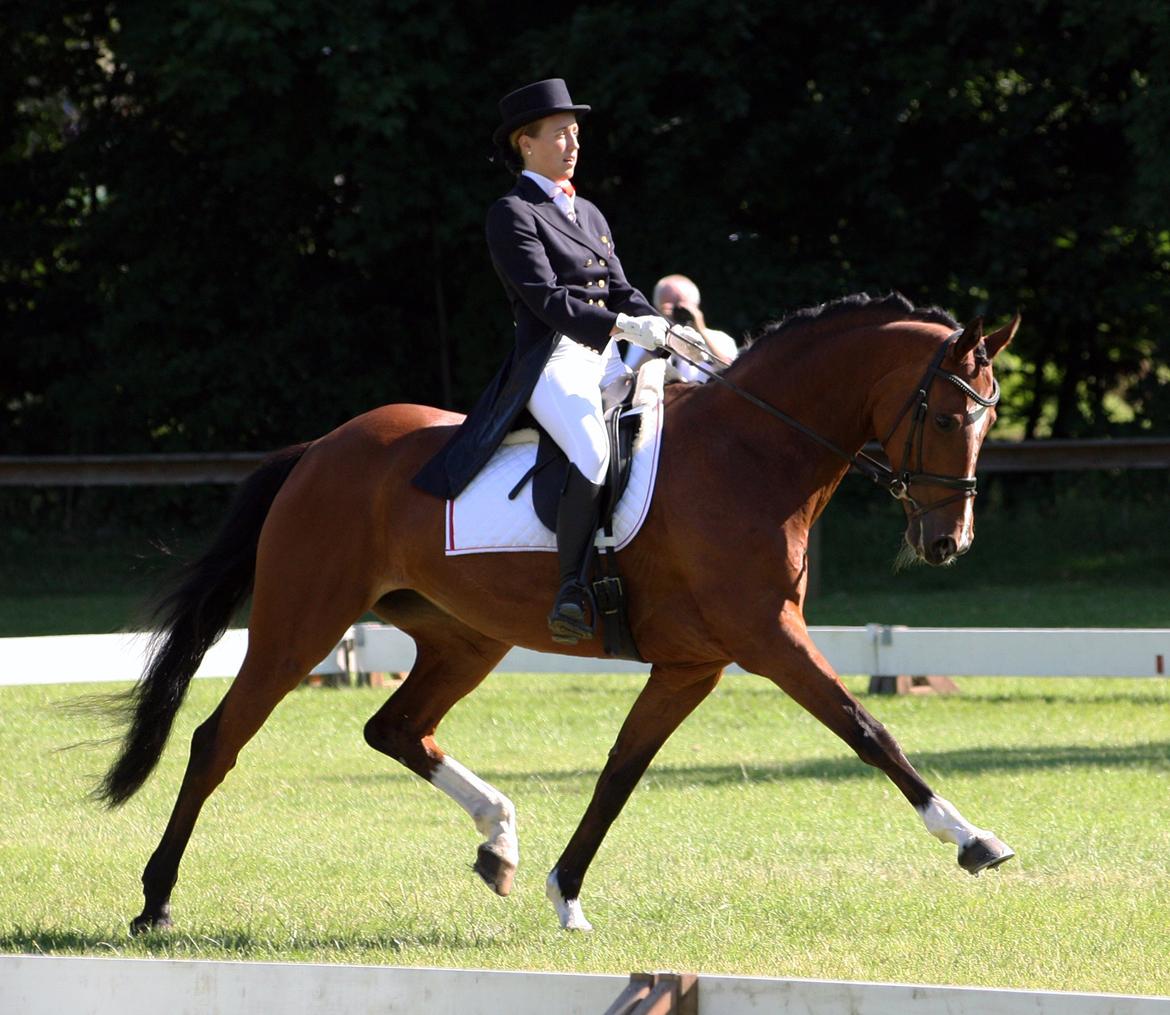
(566, 402)
(577, 512)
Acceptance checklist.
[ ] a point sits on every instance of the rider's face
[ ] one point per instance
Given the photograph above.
(552, 151)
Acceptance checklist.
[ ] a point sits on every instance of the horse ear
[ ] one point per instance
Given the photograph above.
(970, 337)
(998, 340)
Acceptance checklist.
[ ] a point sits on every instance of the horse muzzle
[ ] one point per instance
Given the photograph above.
(937, 545)
(942, 551)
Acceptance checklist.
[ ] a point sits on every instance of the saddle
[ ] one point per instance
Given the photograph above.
(622, 421)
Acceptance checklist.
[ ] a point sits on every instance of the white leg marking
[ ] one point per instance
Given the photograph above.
(493, 813)
(570, 913)
(944, 822)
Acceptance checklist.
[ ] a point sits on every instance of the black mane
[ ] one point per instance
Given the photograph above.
(895, 305)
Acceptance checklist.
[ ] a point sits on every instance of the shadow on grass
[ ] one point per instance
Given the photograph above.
(968, 761)
(1155, 694)
(965, 761)
(974, 760)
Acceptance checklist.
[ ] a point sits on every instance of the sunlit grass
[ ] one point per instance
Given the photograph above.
(756, 843)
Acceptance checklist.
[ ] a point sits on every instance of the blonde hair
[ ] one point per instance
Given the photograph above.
(528, 130)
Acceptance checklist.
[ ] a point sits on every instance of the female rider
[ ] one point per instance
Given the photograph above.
(554, 254)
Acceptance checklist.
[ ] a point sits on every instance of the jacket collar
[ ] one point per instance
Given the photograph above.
(543, 206)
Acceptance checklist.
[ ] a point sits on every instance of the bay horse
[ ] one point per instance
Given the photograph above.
(325, 531)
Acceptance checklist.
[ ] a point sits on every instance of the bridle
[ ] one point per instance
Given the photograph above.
(896, 482)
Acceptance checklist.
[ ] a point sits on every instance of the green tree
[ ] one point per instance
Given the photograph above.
(233, 225)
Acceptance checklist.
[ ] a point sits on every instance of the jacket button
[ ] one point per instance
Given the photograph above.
(589, 262)
(591, 302)
(601, 283)
(601, 303)
(589, 283)
(601, 261)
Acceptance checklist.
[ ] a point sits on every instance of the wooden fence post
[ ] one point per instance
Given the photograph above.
(658, 994)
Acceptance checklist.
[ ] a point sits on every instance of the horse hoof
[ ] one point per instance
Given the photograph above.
(983, 854)
(497, 873)
(146, 924)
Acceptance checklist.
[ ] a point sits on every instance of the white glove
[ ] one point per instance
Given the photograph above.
(648, 332)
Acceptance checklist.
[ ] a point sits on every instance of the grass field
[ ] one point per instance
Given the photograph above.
(756, 844)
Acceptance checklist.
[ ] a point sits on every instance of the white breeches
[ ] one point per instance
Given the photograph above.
(567, 402)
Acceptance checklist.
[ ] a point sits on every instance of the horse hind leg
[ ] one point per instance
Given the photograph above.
(452, 661)
(215, 746)
(286, 639)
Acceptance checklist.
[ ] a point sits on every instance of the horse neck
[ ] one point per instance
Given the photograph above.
(827, 378)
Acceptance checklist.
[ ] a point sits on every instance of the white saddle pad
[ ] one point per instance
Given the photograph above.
(482, 519)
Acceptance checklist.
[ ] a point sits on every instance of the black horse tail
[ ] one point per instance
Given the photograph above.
(188, 620)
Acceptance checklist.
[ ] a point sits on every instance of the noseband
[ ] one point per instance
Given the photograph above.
(896, 482)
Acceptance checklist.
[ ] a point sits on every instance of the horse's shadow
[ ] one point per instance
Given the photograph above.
(964, 761)
(969, 761)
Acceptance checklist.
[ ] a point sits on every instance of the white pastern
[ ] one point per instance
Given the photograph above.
(569, 912)
(945, 823)
(493, 813)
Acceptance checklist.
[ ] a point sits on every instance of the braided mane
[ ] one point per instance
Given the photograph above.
(893, 306)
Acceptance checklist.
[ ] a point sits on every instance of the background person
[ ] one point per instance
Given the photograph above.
(677, 298)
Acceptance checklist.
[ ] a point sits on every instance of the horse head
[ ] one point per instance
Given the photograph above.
(933, 439)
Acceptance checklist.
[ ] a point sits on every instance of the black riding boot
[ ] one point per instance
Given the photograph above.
(571, 618)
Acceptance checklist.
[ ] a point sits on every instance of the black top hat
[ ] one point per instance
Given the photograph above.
(530, 103)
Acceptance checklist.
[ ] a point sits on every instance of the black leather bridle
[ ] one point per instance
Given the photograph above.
(896, 482)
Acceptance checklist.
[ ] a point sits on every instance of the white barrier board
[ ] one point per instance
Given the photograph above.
(98, 658)
(871, 650)
(1030, 651)
(875, 649)
(39, 985)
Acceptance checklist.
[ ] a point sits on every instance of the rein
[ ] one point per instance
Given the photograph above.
(895, 482)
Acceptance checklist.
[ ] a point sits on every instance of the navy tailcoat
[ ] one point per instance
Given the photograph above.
(561, 277)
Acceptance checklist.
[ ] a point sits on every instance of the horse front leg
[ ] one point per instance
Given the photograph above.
(667, 699)
(795, 665)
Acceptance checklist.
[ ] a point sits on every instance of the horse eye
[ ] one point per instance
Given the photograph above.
(946, 423)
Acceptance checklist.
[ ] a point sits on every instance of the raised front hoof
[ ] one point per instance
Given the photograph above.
(145, 924)
(983, 854)
(497, 872)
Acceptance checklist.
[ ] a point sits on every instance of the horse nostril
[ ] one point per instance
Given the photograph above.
(943, 549)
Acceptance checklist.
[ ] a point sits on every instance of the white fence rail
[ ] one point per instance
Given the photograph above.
(874, 650)
(36, 985)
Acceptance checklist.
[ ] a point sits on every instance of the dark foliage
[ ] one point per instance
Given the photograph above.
(232, 226)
